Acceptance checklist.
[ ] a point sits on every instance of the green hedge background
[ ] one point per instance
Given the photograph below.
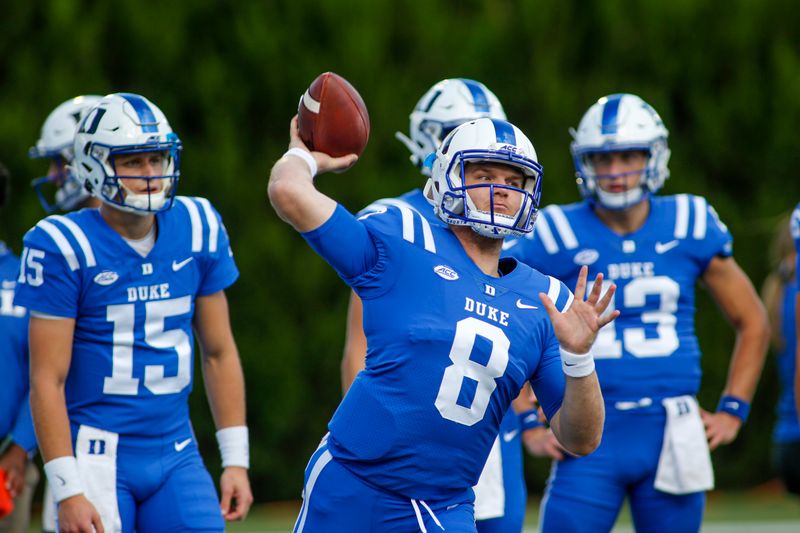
(725, 76)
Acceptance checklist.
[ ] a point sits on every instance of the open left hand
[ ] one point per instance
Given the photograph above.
(236, 495)
(577, 327)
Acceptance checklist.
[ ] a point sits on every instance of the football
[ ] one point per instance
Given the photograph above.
(332, 117)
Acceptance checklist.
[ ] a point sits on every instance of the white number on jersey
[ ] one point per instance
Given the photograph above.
(31, 270)
(635, 293)
(464, 367)
(122, 380)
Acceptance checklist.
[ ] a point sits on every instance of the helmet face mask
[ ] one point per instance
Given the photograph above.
(59, 190)
(445, 106)
(620, 123)
(488, 141)
(124, 124)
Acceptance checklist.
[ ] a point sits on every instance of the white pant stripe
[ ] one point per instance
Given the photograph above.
(323, 460)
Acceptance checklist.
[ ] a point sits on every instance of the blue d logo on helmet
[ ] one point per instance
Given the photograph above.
(617, 123)
(122, 124)
(493, 141)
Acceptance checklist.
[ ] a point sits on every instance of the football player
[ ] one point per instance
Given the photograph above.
(114, 295)
(656, 440)
(780, 294)
(56, 144)
(66, 193)
(453, 334)
(500, 495)
(17, 439)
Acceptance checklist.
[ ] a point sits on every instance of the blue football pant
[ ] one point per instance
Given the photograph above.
(163, 485)
(337, 501)
(586, 493)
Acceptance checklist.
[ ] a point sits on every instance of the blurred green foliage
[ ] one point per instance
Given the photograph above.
(725, 76)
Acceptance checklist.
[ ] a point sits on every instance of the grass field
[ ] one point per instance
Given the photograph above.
(762, 510)
(765, 509)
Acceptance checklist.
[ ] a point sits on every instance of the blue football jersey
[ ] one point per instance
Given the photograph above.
(15, 416)
(794, 227)
(651, 349)
(449, 348)
(132, 355)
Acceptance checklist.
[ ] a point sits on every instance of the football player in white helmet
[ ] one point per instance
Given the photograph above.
(501, 494)
(453, 334)
(56, 143)
(656, 439)
(116, 295)
(446, 105)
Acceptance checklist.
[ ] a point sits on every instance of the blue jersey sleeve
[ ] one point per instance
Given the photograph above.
(219, 268)
(344, 242)
(23, 433)
(717, 241)
(47, 282)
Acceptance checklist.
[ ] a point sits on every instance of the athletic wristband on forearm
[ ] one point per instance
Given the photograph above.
(234, 446)
(733, 405)
(305, 156)
(577, 365)
(62, 474)
(529, 420)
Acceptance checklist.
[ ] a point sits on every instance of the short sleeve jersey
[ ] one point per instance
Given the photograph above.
(449, 348)
(132, 354)
(651, 349)
(15, 413)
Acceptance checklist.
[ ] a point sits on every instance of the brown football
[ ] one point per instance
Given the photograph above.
(332, 117)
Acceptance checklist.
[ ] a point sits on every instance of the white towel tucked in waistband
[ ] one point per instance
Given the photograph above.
(685, 463)
(490, 493)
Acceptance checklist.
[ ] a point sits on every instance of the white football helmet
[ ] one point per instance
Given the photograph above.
(56, 143)
(125, 123)
(494, 141)
(620, 122)
(446, 105)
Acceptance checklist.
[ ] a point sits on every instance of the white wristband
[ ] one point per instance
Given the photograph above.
(234, 446)
(305, 156)
(62, 474)
(577, 365)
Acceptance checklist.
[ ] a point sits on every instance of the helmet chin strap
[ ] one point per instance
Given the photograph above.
(146, 201)
(620, 200)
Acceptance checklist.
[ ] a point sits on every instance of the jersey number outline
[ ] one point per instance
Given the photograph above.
(121, 381)
(463, 367)
(607, 345)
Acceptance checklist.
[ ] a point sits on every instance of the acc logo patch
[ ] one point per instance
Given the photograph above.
(586, 257)
(106, 277)
(446, 272)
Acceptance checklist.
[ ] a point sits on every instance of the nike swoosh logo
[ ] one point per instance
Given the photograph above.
(662, 247)
(507, 245)
(177, 266)
(61, 480)
(525, 306)
(179, 446)
(508, 435)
